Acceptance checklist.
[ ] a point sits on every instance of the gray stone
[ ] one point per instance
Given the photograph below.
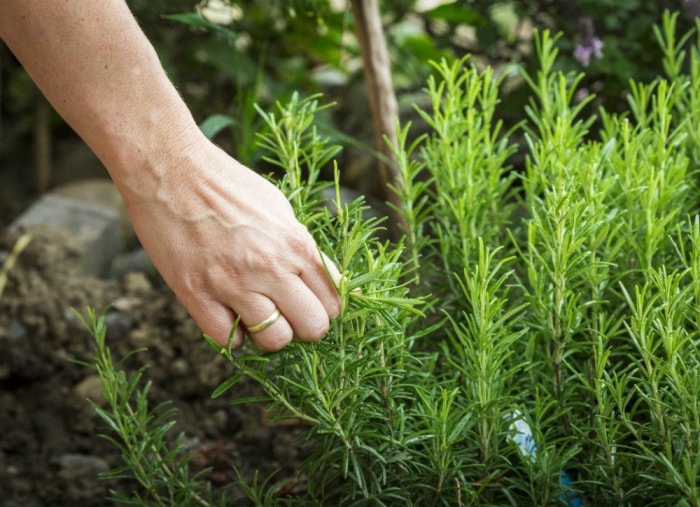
(89, 388)
(100, 191)
(134, 261)
(15, 332)
(96, 229)
(136, 283)
(118, 324)
(73, 461)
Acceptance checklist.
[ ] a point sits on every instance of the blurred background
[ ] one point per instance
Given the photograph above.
(226, 56)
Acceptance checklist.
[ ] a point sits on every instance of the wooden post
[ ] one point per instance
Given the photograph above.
(382, 99)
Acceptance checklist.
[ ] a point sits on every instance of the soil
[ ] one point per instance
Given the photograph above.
(51, 451)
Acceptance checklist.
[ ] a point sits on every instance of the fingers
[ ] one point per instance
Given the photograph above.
(297, 314)
(305, 311)
(307, 300)
(266, 324)
(326, 286)
(218, 321)
(285, 307)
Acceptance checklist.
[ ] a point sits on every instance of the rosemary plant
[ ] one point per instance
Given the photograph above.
(534, 341)
(158, 464)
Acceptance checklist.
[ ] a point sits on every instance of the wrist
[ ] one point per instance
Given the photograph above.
(144, 162)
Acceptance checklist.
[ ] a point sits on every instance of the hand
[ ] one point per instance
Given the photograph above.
(227, 243)
(223, 238)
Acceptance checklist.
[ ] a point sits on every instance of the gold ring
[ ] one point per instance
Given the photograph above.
(265, 323)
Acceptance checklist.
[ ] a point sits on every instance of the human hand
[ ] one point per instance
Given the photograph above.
(227, 243)
(223, 238)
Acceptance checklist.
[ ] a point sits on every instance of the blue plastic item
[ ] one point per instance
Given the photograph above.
(522, 437)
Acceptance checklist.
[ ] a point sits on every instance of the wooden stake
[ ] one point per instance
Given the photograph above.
(382, 99)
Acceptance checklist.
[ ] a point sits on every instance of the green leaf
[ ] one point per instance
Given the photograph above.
(456, 13)
(215, 124)
(226, 385)
(248, 399)
(194, 20)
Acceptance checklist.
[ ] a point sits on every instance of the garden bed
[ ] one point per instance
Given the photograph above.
(50, 449)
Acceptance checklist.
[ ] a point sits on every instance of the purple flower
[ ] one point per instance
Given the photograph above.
(585, 52)
(590, 45)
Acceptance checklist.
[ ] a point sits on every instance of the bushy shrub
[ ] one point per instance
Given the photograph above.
(534, 339)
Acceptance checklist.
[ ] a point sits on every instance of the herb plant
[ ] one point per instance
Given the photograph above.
(532, 341)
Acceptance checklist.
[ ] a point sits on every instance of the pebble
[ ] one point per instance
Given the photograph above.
(15, 332)
(126, 304)
(136, 283)
(118, 324)
(90, 387)
(180, 367)
(140, 337)
(87, 462)
(137, 261)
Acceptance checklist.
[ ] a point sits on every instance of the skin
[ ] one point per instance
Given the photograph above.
(224, 239)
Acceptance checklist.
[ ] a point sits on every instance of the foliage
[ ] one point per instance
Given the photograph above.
(262, 53)
(271, 49)
(501, 32)
(157, 464)
(535, 339)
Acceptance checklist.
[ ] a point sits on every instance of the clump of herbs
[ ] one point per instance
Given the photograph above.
(560, 300)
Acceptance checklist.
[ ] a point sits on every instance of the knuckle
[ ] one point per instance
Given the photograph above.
(259, 260)
(301, 242)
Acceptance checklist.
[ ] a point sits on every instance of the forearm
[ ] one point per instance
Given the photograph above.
(101, 74)
(224, 238)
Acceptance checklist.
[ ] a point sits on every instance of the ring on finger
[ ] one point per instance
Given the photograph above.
(265, 323)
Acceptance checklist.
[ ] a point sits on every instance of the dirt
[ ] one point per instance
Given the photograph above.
(51, 451)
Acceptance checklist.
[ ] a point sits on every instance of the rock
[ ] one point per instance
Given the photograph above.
(89, 388)
(100, 191)
(94, 228)
(136, 283)
(86, 463)
(136, 260)
(180, 367)
(140, 337)
(126, 303)
(15, 332)
(118, 324)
